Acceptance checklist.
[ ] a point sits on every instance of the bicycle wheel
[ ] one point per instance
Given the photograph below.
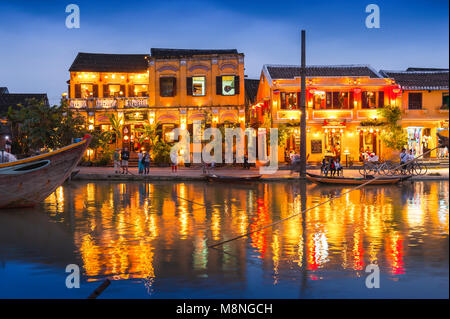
(420, 169)
(387, 169)
(369, 169)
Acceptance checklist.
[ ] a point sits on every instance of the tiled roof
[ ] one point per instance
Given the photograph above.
(12, 99)
(180, 53)
(251, 89)
(425, 69)
(292, 71)
(419, 80)
(100, 62)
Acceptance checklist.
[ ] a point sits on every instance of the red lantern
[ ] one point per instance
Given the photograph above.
(357, 90)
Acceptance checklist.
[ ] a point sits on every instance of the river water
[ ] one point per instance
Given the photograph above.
(151, 240)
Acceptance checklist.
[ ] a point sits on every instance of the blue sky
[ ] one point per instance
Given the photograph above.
(37, 49)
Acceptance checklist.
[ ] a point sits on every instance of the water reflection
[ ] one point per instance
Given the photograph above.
(162, 231)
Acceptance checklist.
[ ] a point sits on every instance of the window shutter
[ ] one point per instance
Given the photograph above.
(282, 100)
(336, 100)
(68, 91)
(364, 100)
(105, 90)
(95, 90)
(131, 90)
(174, 83)
(329, 100)
(236, 85)
(189, 85)
(351, 100)
(218, 85)
(77, 91)
(122, 88)
(381, 99)
(160, 86)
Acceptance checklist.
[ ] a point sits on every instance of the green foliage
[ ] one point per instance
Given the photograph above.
(37, 125)
(161, 152)
(391, 113)
(373, 122)
(151, 134)
(393, 136)
(104, 158)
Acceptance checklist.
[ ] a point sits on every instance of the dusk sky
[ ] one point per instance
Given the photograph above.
(37, 49)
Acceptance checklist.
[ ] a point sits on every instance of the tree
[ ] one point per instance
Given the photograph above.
(393, 136)
(116, 128)
(150, 133)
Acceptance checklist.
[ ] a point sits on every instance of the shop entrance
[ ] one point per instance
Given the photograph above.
(415, 140)
(368, 143)
(333, 142)
(133, 138)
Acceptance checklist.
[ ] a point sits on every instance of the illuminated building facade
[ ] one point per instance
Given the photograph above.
(425, 103)
(339, 99)
(341, 106)
(170, 87)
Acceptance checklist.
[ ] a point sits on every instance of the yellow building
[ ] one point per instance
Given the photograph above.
(171, 87)
(340, 102)
(425, 103)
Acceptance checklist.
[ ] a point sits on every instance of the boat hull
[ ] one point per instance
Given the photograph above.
(27, 182)
(319, 179)
(232, 179)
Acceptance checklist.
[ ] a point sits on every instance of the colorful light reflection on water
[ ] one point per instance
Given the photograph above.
(152, 240)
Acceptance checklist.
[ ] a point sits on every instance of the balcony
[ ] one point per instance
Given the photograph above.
(78, 103)
(101, 103)
(136, 102)
(332, 114)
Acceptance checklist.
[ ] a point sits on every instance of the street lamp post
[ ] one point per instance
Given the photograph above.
(303, 110)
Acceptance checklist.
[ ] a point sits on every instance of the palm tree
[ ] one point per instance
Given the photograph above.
(150, 134)
(116, 127)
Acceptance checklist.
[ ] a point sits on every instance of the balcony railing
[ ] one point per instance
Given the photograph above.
(136, 102)
(78, 103)
(109, 102)
(105, 102)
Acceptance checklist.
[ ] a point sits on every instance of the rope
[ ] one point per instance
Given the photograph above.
(315, 206)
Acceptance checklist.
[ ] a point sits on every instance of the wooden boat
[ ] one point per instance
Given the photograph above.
(27, 182)
(232, 179)
(320, 179)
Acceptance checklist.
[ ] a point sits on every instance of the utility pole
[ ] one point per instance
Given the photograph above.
(303, 111)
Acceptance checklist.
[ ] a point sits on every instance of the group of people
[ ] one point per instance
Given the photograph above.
(406, 157)
(121, 158)
(332, 166)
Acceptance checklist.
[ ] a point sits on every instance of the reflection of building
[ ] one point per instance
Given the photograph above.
(340, 102)
(425, 106)
(170, 87)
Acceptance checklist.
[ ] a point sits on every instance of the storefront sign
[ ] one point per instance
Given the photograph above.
(316, 146)
(136, 116)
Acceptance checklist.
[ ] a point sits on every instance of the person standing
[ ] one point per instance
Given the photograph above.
(146, 163)
(125, 156)
(140, 162)
(8, 145)
(403, 159)
(116, 160)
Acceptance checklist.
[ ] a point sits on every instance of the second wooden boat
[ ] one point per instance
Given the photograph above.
(320, 179)
(232, 179)
(26, 182)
